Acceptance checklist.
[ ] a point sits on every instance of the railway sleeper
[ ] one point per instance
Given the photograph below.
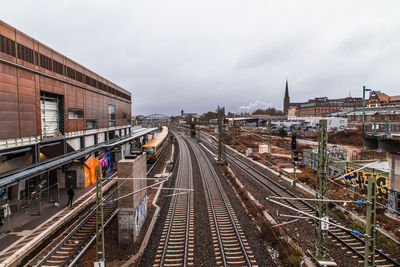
(59, 257)
(233, 262)
(174, 257)
(233, 253)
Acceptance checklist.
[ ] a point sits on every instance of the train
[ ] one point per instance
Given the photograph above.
(156, 145)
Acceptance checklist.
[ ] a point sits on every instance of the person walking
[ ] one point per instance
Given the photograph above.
(70, 196)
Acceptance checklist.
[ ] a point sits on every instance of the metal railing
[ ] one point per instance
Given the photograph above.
(382, 128)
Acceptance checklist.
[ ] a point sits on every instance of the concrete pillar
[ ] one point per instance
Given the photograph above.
(60, 178)
(394, 184)
(394, 172)
(130, 168)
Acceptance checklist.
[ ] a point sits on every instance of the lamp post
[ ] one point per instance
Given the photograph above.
(363, 110)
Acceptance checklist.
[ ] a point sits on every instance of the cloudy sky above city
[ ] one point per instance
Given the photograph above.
(195, 55)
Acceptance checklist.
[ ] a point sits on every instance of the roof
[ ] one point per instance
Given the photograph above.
(394, 98)
(14, 176)
(382, 97)
(159, 138)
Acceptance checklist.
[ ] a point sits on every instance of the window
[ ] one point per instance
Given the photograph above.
(12, 48)
(149, 150)
(25, 53)
(78, 76)
(45, 62)
(58, 67)
(70, 73)
(75, 114)
(111, 115)
(91, 124)
(7, 46)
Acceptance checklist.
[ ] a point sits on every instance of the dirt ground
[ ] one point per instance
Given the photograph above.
(351, 140)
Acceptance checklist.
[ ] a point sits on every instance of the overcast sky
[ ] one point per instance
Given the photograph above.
(195, 55)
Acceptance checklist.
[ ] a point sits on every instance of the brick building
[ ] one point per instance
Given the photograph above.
(54, 115)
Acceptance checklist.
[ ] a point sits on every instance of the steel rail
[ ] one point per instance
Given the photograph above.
(74, 230)
(82, 252)
(235, 159)
(180, 176)
(224, 200)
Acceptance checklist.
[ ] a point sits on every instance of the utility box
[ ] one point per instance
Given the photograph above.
(263, 149)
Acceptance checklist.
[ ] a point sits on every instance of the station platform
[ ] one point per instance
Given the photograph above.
(20, 218)
(25, 228)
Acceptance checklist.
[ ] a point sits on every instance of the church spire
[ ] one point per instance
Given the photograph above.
(287, 89)
(286, 100)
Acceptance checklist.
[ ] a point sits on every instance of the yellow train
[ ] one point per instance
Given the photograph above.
(156, 145)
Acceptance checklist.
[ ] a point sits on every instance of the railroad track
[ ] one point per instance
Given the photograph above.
(73, 245)
(22, 248)
(176, 247)
(68, 250)
(354, 243)
(230, 245)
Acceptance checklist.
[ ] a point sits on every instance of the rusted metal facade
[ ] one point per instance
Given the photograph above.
(29, 69)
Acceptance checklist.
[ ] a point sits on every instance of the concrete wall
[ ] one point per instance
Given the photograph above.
(394, 173)
(100, 138)
(130, 168)
(80, 176)
(89, 140)
(75, 143)
(60, 178)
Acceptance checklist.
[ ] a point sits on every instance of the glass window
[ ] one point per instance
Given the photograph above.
(111, 115)
(75, 114)
(149, 150)
(91, 124)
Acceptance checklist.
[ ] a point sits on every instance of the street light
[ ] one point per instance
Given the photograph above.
(363, 110)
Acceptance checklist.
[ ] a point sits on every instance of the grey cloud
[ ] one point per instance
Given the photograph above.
(195, 55)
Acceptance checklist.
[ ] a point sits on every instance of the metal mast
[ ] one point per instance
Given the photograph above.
(100, 250)
(269, 142)
(221, 136)
(369, 259)
(321, 193)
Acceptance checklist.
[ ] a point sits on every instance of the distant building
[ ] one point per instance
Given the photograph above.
(394, 100)
(318, 107)
(378, 99)
(382, 113)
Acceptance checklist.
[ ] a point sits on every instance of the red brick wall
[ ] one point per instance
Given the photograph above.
(20, 92)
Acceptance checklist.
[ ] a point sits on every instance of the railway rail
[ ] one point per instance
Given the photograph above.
(176, 247)
(230, 245)
(354, 243)
(21, 250)
(77, 240)
(68, 250)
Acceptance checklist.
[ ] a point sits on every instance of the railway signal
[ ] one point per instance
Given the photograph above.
(295, 157)
(294, 142)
